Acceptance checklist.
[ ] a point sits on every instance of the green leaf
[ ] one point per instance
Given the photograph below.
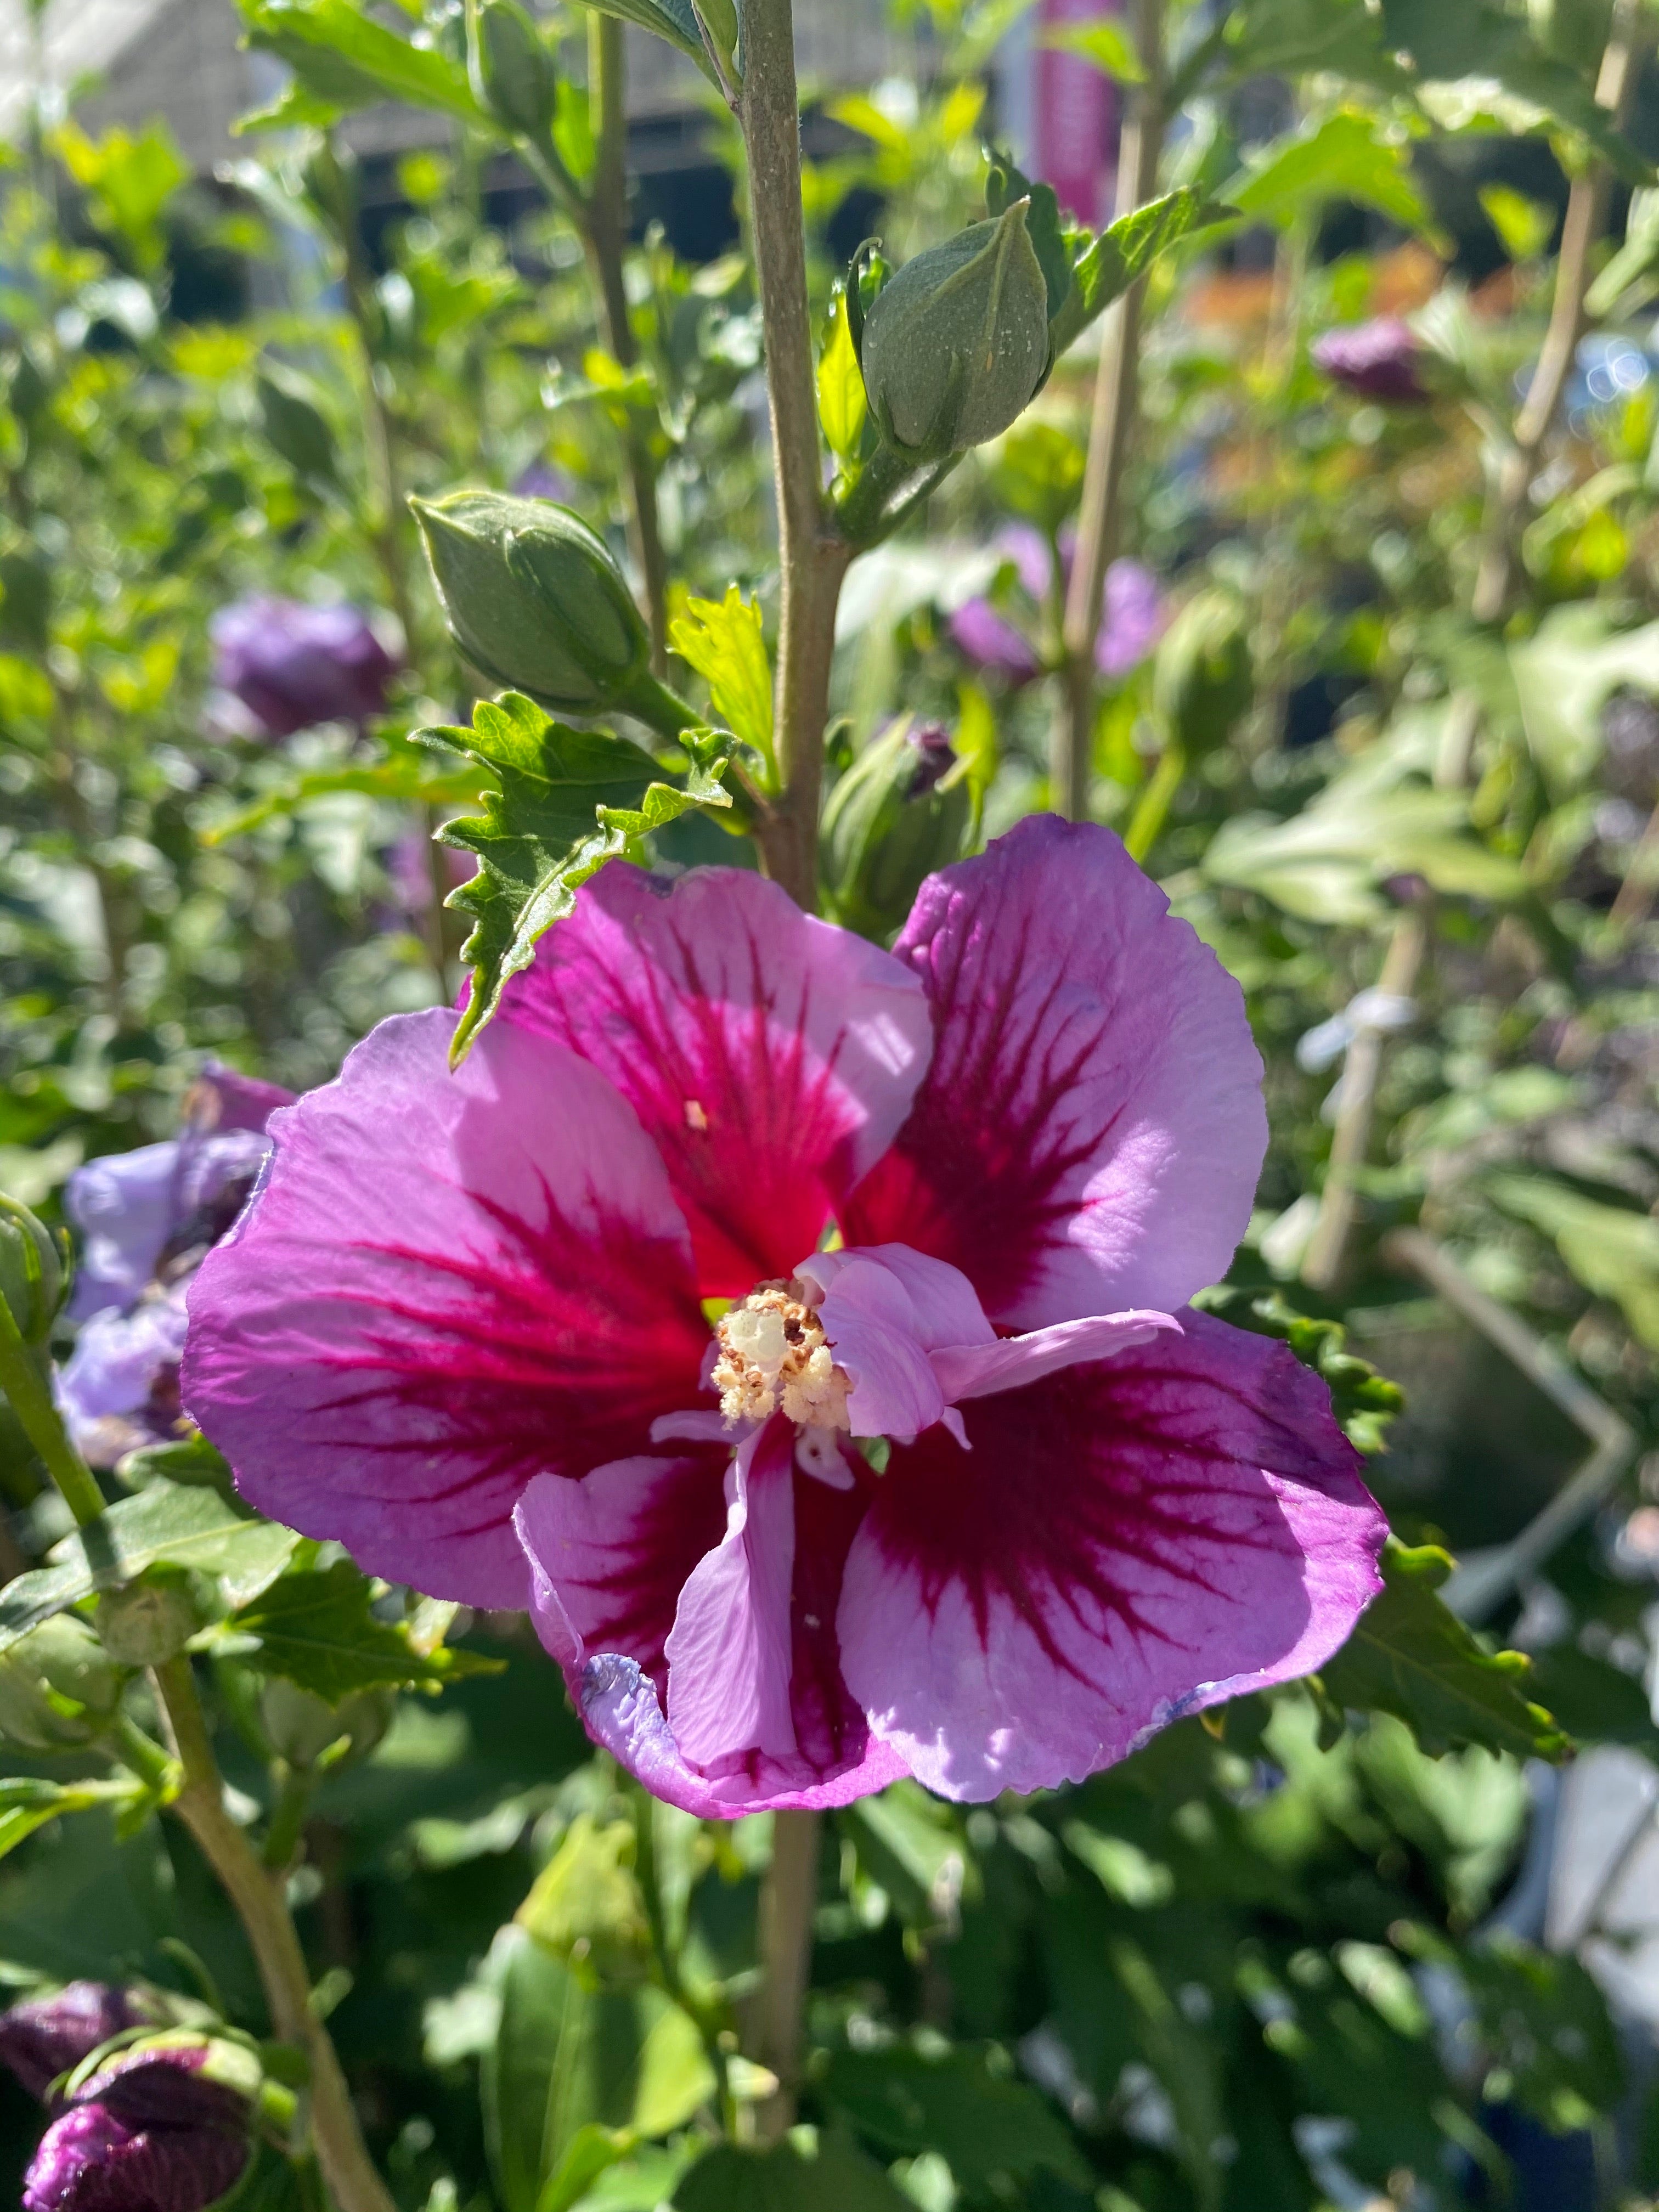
(343, 58)
(181, 1527)
(1103, 42)
(1564, 674)
(723, 641)
(1297, 38)
(1594, 1701)
(914, 1848)
(1611, 1250)
(29, 1805)
(1482, 41)
(565, 802)
(1126, 250)
(843, 405)
(568, 2057)
(317, 1628)
(1409, 1655)
(406, 776)
(673, 19)
(1342, 157)
(830, 2176)
(995, 2130)
(1523, 226)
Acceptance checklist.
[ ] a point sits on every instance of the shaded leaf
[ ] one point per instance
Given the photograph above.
(833, 2176)
(988, 2125)
(673, 19)
(167, 1522)
(1409, 1655)
(1611, 1250)
(316, 1628)
(1342, 157)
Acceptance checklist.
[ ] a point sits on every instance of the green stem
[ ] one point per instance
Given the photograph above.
(261, 1907)
(145, 1757)
(295, 1790)
(778, 2023)
(813, 555)
(652, 702)
(1154, 802)
(25, 1382)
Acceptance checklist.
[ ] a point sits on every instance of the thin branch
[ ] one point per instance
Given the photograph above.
(777, 2024)
(1111, 430)
(261, 1907)
(811, 558)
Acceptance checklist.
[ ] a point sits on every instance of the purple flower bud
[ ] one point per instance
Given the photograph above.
(289, 666)
(91, 2160)
(44, 2037)
(935, 755)
(1379, 360)
(176, 2079)
(1132, 615)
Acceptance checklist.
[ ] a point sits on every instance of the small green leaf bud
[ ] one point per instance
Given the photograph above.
(58, 1687)
(901, 811)
(534, 600)
(511, 70)
(33, 1274)
(1202, 677)
(296, 428)
(149, 1622)
(300, 1726)
(956, 346)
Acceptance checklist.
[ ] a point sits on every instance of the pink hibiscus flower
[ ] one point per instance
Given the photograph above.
(476, 1327)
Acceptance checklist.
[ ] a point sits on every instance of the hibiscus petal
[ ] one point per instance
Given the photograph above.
(124, 1205)
(609, 1557)
(771, 1057)
(728, 1651)
(1090, 1128)
(1126, 1543)
(1014, 1363)
(447, 1284)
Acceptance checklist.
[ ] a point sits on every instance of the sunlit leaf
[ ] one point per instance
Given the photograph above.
(723, 641)
(844, 406)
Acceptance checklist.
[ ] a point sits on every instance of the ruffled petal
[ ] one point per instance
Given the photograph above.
(609, 1558)
(124, 1205)
(1090, 1131)
(1124, 1544)
(770, 1057)
(447, 1284)
(1014, 1363)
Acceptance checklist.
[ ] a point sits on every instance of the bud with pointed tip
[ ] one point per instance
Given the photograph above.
(33, 1276)
(901, 811)
(1202, 677)
(510, 69)
(149, 1622)
(536, 604)
(956, 346)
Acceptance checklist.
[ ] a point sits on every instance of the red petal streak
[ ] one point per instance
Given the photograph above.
(1125, 1542)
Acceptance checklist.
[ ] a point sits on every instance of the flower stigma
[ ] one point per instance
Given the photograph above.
(774, 1356)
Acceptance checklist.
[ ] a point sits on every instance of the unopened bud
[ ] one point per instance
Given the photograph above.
(901, 811)
(956, 346)
(534, 600)
(511, 70)
(33, 1275)
(299, 1727)
(58, 1687)
(1202, 677)
(295, 426)
(149, 1622)
(43, 2037)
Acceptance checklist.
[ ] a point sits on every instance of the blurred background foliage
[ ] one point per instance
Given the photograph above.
(1273, 1962)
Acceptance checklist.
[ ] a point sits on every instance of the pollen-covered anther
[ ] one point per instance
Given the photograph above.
(774, 1357)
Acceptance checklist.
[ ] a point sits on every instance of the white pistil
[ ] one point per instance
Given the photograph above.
(774, 1357)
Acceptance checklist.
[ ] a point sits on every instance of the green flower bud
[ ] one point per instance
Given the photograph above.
(1202, 677)
(58, 1687)
(299, 1727)
(901, 811)
(511, 70)
(33, 1274)
(956, 346)
(534, 600)
(148, 1623)
(296, 428)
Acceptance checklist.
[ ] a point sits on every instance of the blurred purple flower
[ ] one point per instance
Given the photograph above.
(1132, 613)
(44, 2037)
(409, 866)
(148, 1220)
(541, 480)
(1379, 360)
(282, 666)
(152, 2131)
